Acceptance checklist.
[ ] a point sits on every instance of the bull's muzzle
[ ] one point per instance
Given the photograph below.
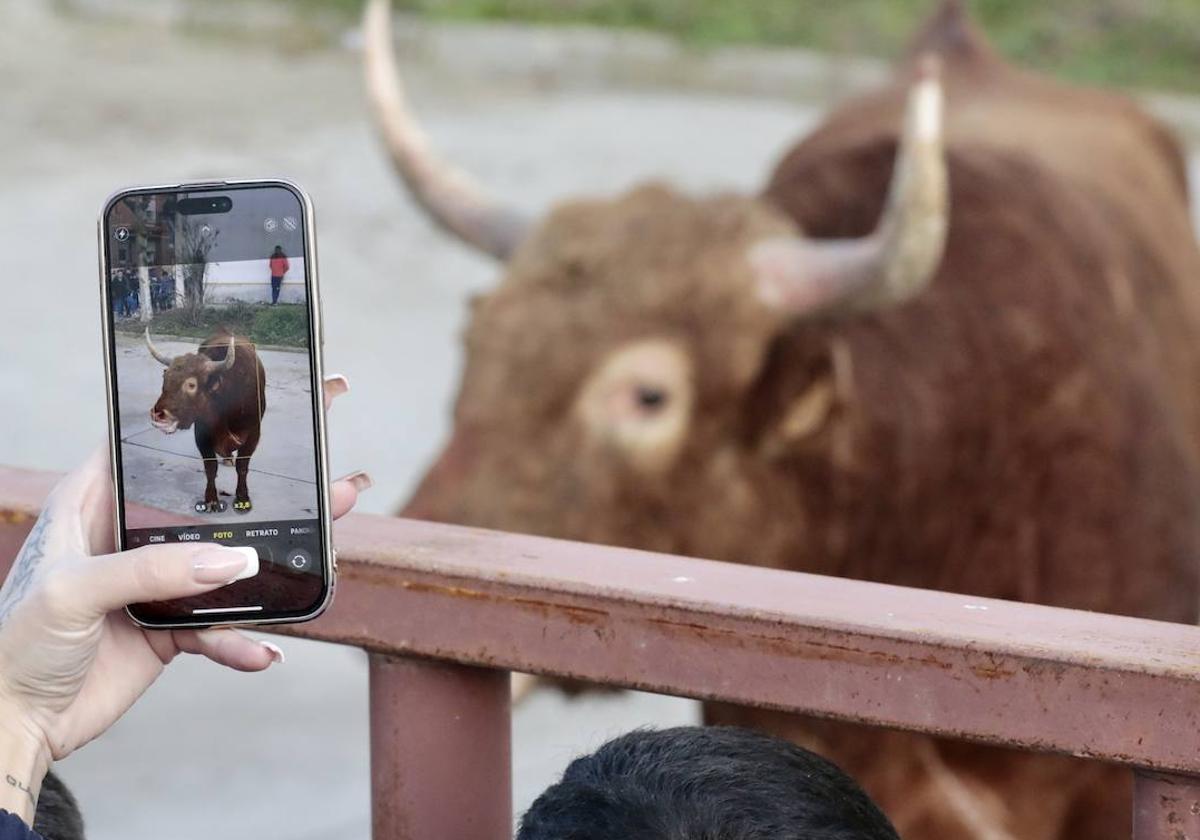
(163, 420)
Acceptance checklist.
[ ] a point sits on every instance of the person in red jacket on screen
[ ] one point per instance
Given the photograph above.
(279, 267)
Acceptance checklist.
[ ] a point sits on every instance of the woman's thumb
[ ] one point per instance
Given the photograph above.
(98, 585)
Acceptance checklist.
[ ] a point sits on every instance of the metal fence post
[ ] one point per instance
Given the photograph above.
(440, 751)
(1165, 807)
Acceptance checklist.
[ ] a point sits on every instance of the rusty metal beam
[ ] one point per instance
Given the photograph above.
(1104, 687)
(1165, 807)
(21, 496)
(441, 752)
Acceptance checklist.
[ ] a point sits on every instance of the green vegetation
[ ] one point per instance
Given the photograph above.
(1138, 43)
(285, 325)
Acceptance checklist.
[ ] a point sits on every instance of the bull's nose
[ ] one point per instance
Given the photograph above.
(158, 415)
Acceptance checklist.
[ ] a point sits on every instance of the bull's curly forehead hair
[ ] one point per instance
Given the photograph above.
(713, 783)
(651, 247)
(652, 226)
(650, 262)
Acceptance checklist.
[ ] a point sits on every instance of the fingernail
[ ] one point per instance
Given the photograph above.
(336, 384)
(361, 480)
(275, 651)
(219, 565)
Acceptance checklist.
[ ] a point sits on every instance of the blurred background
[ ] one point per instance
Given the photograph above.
(540, 99)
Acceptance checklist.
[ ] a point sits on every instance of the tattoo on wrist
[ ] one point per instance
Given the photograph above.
(21, 575)
(13, 781)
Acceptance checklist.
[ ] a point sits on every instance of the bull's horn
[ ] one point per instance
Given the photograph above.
(894, 263)
(227, 362)
(162, 358)
(448, 195)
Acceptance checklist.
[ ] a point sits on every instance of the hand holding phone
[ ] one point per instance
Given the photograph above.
(213, 349)
(74, 663)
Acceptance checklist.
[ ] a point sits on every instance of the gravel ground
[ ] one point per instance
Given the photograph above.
(92, 104)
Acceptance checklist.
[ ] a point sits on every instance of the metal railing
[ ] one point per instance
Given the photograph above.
(446, 612)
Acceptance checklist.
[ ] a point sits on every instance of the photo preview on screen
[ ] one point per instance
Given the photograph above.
(214, 383)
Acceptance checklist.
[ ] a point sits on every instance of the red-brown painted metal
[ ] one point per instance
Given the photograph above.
(440, 751)
(1031, 677)
(21, 496)
(1165, 807)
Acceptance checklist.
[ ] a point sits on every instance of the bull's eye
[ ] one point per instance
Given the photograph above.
(637, 403)
(651, 398)
(189, 385)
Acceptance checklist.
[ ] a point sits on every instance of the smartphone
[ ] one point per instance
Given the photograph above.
(212, 347)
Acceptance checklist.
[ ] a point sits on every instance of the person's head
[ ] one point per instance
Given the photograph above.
(279, 250)
(58, 815)
(693, 783)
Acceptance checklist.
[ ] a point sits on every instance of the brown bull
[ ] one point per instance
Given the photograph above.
(220, 390)
(957, 353)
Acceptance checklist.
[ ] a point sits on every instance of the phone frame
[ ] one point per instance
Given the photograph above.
(316, 343)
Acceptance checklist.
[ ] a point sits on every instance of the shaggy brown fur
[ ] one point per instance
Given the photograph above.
(1027, 428)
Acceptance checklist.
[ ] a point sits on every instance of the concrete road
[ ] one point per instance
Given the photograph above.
(166, 471)
(91, 104)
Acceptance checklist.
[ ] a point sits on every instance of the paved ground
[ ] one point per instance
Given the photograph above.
(214, 754)
(166, 472)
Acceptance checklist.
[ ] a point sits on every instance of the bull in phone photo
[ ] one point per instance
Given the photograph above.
(220, 391)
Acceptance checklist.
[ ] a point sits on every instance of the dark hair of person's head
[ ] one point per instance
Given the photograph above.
(278, 249)
(58, 816)
(694, 783)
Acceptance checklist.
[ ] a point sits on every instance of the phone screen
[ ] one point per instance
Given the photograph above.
(215, 390)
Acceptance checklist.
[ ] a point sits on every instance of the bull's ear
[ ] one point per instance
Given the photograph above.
(802, 401)
(807, 414)
(803, 418)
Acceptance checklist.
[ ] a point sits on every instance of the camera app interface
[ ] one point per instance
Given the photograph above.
(214, 389)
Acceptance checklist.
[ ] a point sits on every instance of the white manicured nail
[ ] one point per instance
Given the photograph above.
(275, 651)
